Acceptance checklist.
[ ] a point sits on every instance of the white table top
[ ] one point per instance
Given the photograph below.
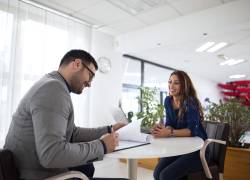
(161, 147)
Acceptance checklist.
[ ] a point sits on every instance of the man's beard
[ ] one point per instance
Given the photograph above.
(76, 82)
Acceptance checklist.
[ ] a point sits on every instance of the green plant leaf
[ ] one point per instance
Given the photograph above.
(151, 110)
(235, 114)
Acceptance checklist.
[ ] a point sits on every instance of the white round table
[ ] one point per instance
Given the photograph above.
(159, 147)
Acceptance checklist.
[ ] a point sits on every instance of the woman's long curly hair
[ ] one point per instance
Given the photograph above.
(187, 93)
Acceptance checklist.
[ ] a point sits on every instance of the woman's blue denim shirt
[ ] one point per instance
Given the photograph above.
(191, 118)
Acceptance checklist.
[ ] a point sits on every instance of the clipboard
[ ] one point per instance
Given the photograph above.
(123, 145)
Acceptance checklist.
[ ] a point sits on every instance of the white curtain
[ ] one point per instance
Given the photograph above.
(32, 43)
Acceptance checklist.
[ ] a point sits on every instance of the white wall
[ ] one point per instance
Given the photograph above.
(106, 88)
(205, 88)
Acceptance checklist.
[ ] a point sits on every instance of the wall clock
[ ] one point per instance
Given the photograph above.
(104, 64)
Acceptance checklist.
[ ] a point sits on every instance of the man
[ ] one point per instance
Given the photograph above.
(42, 134)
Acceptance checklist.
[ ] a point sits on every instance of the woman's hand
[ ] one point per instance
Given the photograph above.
(157, 126)
(159, 130)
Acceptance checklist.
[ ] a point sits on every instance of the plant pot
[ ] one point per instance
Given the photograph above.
(237, 164)
(145, 130)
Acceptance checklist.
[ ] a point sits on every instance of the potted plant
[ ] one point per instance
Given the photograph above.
(151, 110)
(237, 161)
(235, 114)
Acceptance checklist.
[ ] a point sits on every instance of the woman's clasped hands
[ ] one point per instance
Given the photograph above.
(159, 130)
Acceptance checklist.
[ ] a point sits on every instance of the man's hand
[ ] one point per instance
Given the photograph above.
(118, 126)
(111, 141)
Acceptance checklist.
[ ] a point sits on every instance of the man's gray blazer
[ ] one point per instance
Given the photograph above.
(43, 136)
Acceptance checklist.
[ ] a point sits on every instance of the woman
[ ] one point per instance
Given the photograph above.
(183, 119)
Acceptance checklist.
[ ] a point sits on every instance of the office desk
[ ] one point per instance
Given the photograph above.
(159, 147)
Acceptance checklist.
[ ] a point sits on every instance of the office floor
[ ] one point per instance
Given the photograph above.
(113, 168)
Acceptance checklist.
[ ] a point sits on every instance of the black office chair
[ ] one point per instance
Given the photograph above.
(8, 169)
(217, 133)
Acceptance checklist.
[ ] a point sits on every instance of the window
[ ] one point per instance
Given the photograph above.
(6, 26)
(155, 76)
(138, 73)
(32, 42)
(132, 73)
(129, 99)
(131, 84)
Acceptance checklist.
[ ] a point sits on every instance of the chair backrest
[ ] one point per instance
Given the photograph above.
(8, 169)
(217, 152)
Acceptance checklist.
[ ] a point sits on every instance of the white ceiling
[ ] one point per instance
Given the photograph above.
(168, 31)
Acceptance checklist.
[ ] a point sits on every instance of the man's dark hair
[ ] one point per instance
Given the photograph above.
(78, 54)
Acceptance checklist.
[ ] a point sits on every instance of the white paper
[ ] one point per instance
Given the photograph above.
(119, 115)
(131, 136)
(132, 132)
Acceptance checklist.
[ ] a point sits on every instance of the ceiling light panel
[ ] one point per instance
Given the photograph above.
(237, 76)
(205, 46)
(232, 62)
(217, 47)
(237, 61)
(227, 62)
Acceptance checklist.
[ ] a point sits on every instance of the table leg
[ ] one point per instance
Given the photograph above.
(132, 169)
